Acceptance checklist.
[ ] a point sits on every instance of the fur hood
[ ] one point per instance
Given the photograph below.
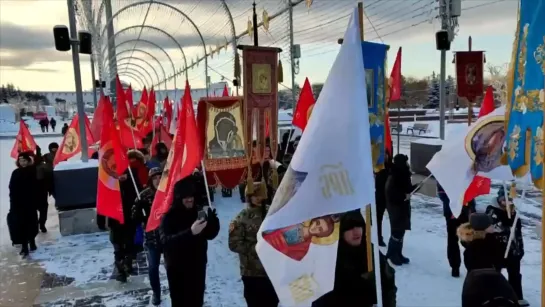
(136, 154)
(467, 234)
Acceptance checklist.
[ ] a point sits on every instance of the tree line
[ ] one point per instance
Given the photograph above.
(9, 93)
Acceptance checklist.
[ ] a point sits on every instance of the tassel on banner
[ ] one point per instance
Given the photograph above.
(237, 66)
(280, 74)
(250, 181)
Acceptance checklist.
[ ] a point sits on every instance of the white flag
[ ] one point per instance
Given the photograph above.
(475, 150)
(330, 173)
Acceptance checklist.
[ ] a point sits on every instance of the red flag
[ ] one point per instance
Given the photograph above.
(225, 91)
(168, 112)
(128, 96)
(108, 194)
(98, 121)
(395, 79)
(23, 142)
(488, 102)
(71, 143)
(395, 95)
(481, 185)
(122, 109)
(161, 137)
(304, 106)
(184, 156)
(145, 123)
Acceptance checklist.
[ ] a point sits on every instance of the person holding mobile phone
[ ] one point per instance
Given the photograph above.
(185, 234)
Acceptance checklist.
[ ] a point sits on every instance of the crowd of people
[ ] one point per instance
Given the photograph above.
(45, 123)
(182, 238)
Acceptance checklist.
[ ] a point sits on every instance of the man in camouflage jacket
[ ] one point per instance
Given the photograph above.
(258, 289)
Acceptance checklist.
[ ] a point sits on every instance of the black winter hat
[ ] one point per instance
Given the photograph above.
(480, 221)
(24, 155)
(351, 219)
(487, 288)
(154, 171)
(401, 159)
(184, 188)
(53, 145)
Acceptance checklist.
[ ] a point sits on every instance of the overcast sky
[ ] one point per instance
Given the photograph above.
(29, 60)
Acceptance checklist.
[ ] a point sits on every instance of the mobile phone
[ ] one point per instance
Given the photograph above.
(202, 215)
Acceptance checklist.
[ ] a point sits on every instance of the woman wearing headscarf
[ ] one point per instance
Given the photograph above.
(23, 215)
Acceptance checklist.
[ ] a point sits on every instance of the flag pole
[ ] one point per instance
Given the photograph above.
(206, 184)
(368, 212)
(134, 183)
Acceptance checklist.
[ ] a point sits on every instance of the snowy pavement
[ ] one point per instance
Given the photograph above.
(78, 270)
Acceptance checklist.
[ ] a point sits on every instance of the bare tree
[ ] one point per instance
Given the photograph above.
(496, 75)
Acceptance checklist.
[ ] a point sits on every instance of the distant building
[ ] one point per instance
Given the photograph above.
(215, 90)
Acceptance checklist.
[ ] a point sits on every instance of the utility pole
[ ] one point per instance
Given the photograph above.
(77, 78)
(94, 81)
(292, 57)
(111, 50)
(443, 9)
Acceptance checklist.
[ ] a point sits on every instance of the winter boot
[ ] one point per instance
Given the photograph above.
(156, 299)
(455, 272)
(381, 242)
(33, 246)
(24, 250)
(524, 303)
(404, 259)
(128, 265)
(394, 251)
(121, 274)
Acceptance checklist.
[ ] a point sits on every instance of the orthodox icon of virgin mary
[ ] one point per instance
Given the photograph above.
(485, 144)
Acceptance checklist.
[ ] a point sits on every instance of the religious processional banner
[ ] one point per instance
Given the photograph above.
(220, 121)
(526, 94)
(374, 58)
(261, 73)
(469, 74)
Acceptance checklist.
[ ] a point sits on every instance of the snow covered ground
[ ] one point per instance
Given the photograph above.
(77, 270)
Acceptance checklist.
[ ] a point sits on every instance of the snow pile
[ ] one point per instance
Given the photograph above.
(76, 164)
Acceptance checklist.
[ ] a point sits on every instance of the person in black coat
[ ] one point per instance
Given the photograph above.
(185, 234)
(122, 235)
(380, 194)
(487, 287)
(53, 123)
(64, 129)
(502, 230)
(355, 284)
(398, 203)
(23, 215)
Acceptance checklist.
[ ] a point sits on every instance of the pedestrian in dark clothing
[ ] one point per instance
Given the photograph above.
(122, 235)
(161, 155)
(354, 283)
(44, 179)
(138, 165)
(398, 203)
(380, 194)
(258, 289)
(487, 287)
(53, 123)
(154, 248)
(185, 241)
(502, 230)
(481, 250)
(23, 217)
(46, 124)
(64, 129)
(453, 222)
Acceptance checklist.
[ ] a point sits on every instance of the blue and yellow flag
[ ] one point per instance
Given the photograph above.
(526, 94)
(374, 58)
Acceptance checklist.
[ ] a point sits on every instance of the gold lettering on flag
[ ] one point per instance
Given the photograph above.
(303, 288)
(335, 180)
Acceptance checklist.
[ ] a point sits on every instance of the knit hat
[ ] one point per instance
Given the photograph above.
(184, 188)
(352, 219)
(155, 171)
(25, 156)
(480, 221)
(53, 145)
(401, 160)
(487, 287)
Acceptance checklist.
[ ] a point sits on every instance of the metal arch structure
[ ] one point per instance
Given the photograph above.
(154, 45)
(103, 50)
(150, 55)
(141, 60)
(144, 73)
(233, 30)
(133, 78)
(174, 9)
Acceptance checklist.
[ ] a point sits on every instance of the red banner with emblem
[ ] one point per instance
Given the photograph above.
(469, 74)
